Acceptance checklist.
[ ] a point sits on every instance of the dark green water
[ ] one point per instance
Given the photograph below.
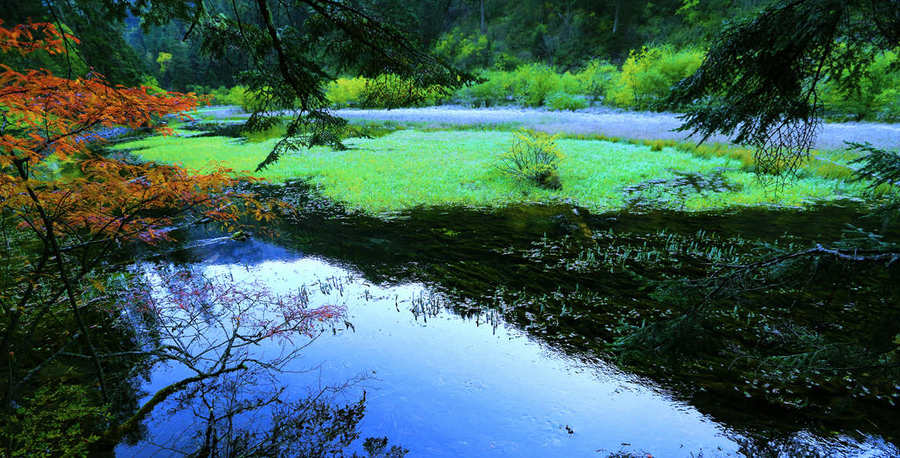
(489, 331)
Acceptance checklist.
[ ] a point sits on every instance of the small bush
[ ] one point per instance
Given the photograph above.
(648, 76)
(506, 62)
(563, 101)
(496, 89)
(888, 103)
(238, 95)
(346, 92)
(596, 79)
(219, 95)
(527, 85)
(152, 85)
(534, 82)
(534, 157)
(658, 145)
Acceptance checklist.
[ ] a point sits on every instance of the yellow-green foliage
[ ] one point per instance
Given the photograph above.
(527, 85)
(346, 92)
(383, 91)
(533, 156)
(564, 101)
(152, 85)
(535, 82)
(238, 95)
(163, 59)
(648, 75)
(409, 168)
(596, 78)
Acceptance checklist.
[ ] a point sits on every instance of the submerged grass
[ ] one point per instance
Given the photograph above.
(410, 168)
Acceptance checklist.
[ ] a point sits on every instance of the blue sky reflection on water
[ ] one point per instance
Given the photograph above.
(445, 385)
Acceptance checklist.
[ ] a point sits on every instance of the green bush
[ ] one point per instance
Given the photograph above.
(889, 104)
(596, 79)
(383, 91)
(464, 51)
(646, 78)
(497, 89)
(151, 84)
(238, 95)
(218, 95)
(527, 85)
(564, 101)
(506, 62)
(533, 157)
(534, 82)
(346, 92)
(877, 98)
(648, 75)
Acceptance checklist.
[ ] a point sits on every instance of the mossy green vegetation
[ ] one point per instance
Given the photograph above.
(411, 168)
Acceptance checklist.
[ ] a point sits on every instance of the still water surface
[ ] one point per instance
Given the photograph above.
(441, 384)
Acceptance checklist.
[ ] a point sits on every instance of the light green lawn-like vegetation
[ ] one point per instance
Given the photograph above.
(409, 168)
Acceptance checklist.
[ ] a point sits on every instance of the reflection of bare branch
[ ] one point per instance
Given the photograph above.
(218, 329)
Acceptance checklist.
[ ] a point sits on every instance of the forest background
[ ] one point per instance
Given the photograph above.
(563, 55)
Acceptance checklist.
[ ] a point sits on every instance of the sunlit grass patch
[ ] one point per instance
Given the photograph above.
(408, 168)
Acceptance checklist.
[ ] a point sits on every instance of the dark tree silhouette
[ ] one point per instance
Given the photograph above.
(758, 83)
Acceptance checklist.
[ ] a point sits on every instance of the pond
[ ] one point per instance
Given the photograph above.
(449, 366)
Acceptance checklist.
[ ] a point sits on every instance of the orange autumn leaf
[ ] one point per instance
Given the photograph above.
(44, 117)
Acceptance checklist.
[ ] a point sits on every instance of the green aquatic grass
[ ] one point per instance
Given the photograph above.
(408, 168)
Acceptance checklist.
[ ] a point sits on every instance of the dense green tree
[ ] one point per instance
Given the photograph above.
(760, 82)
(102, 48)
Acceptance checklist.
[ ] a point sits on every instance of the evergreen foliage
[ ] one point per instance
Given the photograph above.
(760, 82)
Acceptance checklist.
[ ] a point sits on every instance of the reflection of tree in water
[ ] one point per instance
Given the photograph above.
(584, 283)
(233, 340)
(230, 423)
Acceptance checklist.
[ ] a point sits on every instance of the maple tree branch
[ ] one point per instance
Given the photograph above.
(70, 290)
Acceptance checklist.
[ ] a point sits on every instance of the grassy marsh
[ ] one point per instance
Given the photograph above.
(410, 168)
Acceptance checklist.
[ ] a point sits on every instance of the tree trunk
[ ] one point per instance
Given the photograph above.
(483, 25)
(616, 16)
(54, 250)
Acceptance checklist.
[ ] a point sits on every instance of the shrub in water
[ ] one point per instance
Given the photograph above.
(535, 157)
(563, 101)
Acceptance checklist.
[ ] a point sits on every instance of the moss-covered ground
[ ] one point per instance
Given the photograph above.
(409, 168)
